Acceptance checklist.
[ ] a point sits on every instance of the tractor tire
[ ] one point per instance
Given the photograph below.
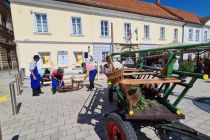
(117, 129)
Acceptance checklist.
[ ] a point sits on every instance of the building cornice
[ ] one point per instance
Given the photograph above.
(95, 11)
(68, 42)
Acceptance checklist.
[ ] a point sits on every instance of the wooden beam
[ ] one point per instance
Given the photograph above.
(139, 73)
(148, 81)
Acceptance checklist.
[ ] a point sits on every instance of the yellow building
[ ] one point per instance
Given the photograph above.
(60, 31)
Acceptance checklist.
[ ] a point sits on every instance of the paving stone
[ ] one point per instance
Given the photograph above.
(69, 137)
(22, 138)
(44, 138)
(197, 120)
(56, 136)
(26, 132)
(93, 137)
(45, 127)
(200, 130)
(56, 124)
(10, 135)
(50, 131)
(35, 135)
(8, 131)
(205, 126)
(191, 124)
(65, 127)
(73, 130)
(208, 134)
(82, 134)
(86, 127)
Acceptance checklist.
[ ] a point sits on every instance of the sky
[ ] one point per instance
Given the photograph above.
(198, 7)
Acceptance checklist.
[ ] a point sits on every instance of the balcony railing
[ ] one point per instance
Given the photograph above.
(6, 32)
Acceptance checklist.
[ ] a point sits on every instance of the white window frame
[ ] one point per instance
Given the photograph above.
(205, 36)
(103, 30)
(190, 35)
(146, 35)
(107, 53)
(126, 33)
(162, 32)
(197, 35)
(35, 19)
(65, 54)
(176, 34)
(76, 26)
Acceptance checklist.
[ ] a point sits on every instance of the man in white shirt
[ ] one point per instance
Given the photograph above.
(35, 77)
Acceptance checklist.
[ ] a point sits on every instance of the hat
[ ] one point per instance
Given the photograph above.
(60, 71)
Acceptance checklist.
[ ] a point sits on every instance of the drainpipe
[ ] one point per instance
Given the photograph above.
(181, 58)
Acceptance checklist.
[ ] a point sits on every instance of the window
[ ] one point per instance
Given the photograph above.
(190, 35)
(41, 23)
(45, 57)
(78, 57)
(104, 55)
(104, 28)
(162, 33)
(76, 26)
(127, 29)
(197, 35)
(62, 57)
(175, 34)
(146, 31)
(205, 36)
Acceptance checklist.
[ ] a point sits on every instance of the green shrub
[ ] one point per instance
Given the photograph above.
(186, 66)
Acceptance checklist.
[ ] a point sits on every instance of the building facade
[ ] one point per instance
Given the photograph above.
(7, 46)
(61, 31)
(196, 29)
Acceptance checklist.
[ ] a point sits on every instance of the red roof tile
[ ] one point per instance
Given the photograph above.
(132, 6)
(205, 19)
(142, 8)
(184, 15)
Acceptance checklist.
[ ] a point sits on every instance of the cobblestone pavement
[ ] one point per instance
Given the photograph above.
(78, 115)
(5, 80)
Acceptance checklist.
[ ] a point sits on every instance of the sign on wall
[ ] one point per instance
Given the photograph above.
(62, 57)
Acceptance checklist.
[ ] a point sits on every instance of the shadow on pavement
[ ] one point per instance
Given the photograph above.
(97, 105)
(188, 134)
(16, 137)
(18, 107)
(93, 112)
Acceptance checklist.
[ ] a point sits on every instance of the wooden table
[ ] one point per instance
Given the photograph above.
(76, 81)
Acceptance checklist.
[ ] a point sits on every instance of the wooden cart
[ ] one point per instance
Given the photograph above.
(122, 123)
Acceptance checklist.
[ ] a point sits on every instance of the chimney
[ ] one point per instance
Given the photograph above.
(157, 2)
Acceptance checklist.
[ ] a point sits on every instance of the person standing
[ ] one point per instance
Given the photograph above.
(57, 79)
(91, 72)
(109, 68)
(35, 77)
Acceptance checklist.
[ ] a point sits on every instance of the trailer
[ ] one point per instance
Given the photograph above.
(154, 85)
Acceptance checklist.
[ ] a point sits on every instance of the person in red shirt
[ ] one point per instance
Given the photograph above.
(57, 79)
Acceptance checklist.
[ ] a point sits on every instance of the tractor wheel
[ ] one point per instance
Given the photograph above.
(117, 129)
